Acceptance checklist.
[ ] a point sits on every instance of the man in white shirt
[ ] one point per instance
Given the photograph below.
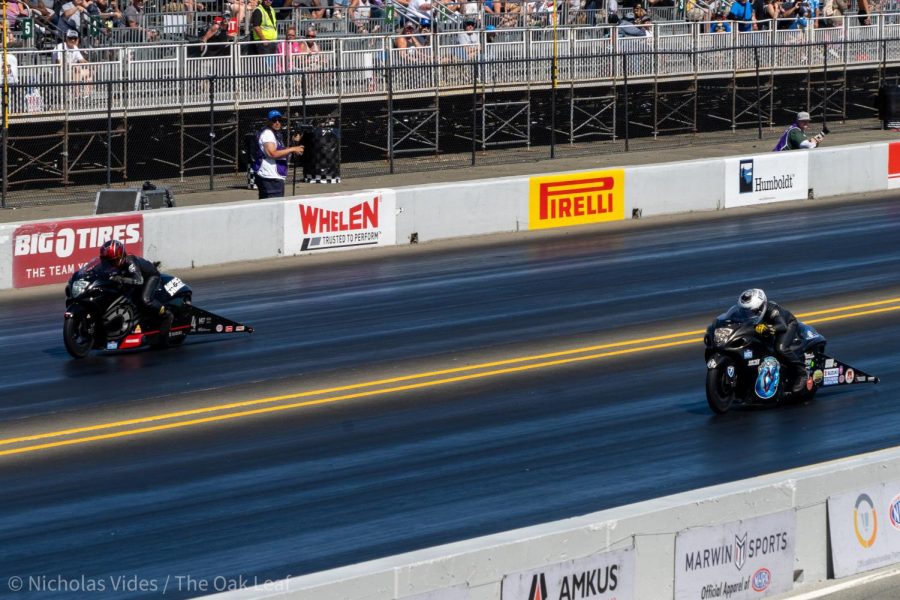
(421, 9)
(271, 164)
(12, 68)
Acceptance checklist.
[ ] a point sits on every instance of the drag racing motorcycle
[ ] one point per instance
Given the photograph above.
(102, 314)
(742, 367)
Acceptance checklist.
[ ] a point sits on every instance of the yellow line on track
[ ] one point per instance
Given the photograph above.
(592, 351)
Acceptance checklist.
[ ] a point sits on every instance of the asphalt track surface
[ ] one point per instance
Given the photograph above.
(332, 477)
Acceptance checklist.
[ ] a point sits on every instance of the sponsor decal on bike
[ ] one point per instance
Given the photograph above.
(841, 379)
(753, 363)
(818, 376)
(768, 378)
(576, 199)
(229, 328)
(748, 353)
(849, 375)
(173, 286)
(829, 362)
(809, 385)
(730, 371)
(219, 328)
(51, 252)
(711, 364)
(112, 345)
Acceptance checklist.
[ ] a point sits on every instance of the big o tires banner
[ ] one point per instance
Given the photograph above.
(45, 253)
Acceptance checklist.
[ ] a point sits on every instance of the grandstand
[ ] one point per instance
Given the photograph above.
(172, 107)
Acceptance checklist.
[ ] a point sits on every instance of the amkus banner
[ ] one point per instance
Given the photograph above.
(607, 576)
(753, 558)
(864, 526)
(766, 178)
(361, 219)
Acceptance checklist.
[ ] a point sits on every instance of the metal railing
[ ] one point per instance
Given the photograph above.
(345, 67)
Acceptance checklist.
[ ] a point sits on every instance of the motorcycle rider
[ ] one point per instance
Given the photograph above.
(137, 271)
(779, 322)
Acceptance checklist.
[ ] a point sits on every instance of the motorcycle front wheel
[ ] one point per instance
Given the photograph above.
(719, 394)
(78, 336)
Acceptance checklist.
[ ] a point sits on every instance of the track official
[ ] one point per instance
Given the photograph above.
(271, 164)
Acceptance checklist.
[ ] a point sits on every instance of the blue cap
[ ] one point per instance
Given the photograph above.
(425, 22)
(491, 28)
(274, 114)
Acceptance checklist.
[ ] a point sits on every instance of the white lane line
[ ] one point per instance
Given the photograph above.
(845, 585)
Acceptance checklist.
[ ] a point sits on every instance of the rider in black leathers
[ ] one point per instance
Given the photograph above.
(136, 271)
(780, 323)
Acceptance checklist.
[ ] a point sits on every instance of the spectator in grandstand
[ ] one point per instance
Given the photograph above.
(134, 17)
(362, 15)
(309, 45)
(628, 28)
(642, 19)
(794, 137)
(214, 39)
(469, 42)
(420, 10)
(16, 9)
(271, 164)
(799, 13)
(263, 24)
(661, 3)
(108, 13)
(766, 12)
(862, 12)
(288, 51)
(719, 24)
(11, 65)
(834, 11)
(409, 43)
(694, 12)
(70, 17)
(742, 13)
(68, 53)
(612, 12)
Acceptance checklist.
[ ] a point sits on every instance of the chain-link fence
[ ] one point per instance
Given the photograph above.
(68, 139)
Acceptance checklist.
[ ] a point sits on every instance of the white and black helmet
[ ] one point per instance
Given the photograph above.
(755, 302)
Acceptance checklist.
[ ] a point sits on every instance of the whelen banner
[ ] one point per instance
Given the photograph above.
(340, 222)
(607, 576)
(766, 178)
(576, 199)
(864, 526)
(753, 558)
(893, 165)
(51, 252)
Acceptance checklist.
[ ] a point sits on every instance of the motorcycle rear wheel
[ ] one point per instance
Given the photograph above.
(719, 395)
(78, 336)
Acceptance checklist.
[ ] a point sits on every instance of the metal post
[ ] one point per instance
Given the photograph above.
(5, 111)
(109, 96)
(475, 72)
(212, 131)
(554, 66)
(758, 95)
(625, 92)
(825, 97)
(390, 109)
(303, 95)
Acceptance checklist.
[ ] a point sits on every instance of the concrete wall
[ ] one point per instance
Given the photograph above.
(650, 526)
(236, 232)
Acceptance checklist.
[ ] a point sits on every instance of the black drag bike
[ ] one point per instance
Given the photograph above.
(742, 367)
(103, 314)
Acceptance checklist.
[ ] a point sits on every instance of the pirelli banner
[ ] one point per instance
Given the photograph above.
(367, 218)
(753, 558)
(607, 576)
(576, 199)
(864, 526)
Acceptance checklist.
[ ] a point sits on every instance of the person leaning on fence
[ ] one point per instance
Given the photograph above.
(271, 164)
(68, 53)
(263, 24)
(794, 137)
(766, 13)
(741, 12)
(213, 41)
